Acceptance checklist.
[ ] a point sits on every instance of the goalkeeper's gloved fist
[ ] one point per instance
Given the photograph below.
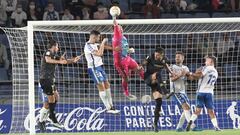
(131, 50)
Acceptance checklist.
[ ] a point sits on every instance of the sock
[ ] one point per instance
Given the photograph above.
(52, 112)
(55, 104)
(181, 121)
(45, 118)
(157, 110)
(103, 96)
(109, 96)
(193, 117)
(187, 115)
(214, 122)
(125, 87)
(43, 113)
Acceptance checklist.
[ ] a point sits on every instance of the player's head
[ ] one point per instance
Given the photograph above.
(95, 36)
(53, 45)
(210, 60)
(159, 53)
(179, 57)
(234, 103)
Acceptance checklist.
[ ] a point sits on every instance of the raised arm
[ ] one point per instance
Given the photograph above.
(101, 49)
(194, 76)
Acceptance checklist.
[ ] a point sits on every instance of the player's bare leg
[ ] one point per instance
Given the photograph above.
(158, 98)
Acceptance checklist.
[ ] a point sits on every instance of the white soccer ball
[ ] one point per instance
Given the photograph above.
(115, 11)
(146, 99)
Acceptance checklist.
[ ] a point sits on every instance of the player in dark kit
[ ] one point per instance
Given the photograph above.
(153, 78)
(47, 80)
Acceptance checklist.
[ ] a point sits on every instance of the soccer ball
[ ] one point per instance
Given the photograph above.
(146, 99)
(115, 11)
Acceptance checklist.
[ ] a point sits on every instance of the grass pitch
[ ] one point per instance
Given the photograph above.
(205, 132)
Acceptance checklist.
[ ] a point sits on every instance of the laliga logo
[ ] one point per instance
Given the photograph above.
(1, 121)
(75, 120)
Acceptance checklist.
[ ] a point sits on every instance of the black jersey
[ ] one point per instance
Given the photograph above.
(154, 65)
(47, 70)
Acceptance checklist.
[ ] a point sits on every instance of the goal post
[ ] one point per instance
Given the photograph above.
(78, 92)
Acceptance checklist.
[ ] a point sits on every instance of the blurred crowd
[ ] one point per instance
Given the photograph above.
(15, 13)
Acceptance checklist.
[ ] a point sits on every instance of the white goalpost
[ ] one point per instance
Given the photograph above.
(79, 108)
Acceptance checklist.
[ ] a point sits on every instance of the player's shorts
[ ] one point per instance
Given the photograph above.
(160, 87)
(43, 97)
(180, 98)
(48, 86)
(126, 64)
(97, 74)
(205, 99)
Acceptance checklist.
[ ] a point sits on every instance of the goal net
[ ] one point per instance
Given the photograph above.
(80, 109)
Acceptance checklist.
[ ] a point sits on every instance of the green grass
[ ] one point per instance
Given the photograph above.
(206, 132)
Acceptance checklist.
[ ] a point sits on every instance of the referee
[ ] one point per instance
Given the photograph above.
(153, 78)
(47, 80)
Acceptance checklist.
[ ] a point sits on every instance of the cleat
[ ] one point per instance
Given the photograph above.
(189, 126)
(113, 111)
(42, 126)
(58, 125)
(132, 97)
(197, 129)
(169, 95)
(155, 128)
(179, 130)
(217, 129)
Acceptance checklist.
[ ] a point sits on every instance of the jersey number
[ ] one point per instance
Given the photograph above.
(212, 79)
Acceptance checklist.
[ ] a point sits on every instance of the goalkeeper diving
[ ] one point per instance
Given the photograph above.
(123, 62)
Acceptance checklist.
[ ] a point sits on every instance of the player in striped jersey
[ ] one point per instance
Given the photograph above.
(207, 77)
(93, 56)
(178, 87)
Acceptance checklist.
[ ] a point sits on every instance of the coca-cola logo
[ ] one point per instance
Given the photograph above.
(81, 118)
(1, 121)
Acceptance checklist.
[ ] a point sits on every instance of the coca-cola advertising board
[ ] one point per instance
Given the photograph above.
(92, 117)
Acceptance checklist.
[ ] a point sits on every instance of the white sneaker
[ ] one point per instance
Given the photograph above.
(132, 97)
(217, 129)
(113, 111)
(58, 125)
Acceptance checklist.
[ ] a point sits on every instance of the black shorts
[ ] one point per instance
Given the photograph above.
(48, 86)
(159, 86)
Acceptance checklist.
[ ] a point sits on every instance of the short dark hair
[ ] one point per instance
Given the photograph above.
(52, 43)
(179, 52)
(94, 32)
(213, 58)
(160, 50)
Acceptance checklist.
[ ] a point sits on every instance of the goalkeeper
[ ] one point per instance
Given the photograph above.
(123, 63)
(49, 94)
(153, 78)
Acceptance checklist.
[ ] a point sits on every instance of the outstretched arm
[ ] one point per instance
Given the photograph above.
(194, 76)
(101, 49)
(109, 47)
(117, 29)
